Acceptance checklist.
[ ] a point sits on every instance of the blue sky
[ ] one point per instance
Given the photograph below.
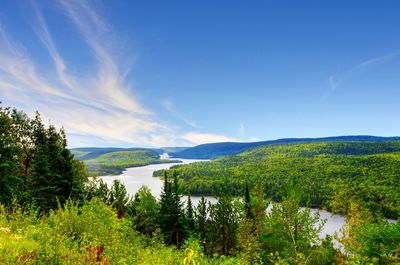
(166, 73)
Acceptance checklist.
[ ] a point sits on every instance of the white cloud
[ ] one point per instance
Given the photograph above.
(95, 109)
(197, 138)
(99, 107)
(335, 81)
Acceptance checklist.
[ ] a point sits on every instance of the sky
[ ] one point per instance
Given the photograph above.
(181, 73)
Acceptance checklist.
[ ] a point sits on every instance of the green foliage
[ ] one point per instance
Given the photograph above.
(189, 218)
(35, 163)
(171, 213)
(370, 239)
(114, 162)
(144, 210)
(290, 231)
(215, 150)
(326, 175)
(224, 222)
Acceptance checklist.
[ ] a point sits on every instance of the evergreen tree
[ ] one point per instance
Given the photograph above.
(224, 217)
(171, 213)
(119, 198)
(189, 218)
(201, 221)
(166, 221)
(41, 182)
(178, 214)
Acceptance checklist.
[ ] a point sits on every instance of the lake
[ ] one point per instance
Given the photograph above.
(135, 177)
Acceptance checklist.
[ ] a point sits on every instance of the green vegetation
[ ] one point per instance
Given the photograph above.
(50, 214)
(326, 175)
(113, 161)
(214, 150)
(35, 165)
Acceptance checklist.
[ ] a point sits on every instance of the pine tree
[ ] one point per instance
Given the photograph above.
(189, 217)
(119, 198)
(166, 221)
(201, 221)
(171, 214)
(224, 216)
(179, 233)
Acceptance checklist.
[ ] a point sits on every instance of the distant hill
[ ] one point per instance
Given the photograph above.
(329, 175)
(112, 161)
(214, 150)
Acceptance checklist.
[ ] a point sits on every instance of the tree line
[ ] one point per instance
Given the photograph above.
(50, 212)
(325, 175)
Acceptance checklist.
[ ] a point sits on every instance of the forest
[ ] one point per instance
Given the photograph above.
(328, 175)
(51, 212)
(113, 161)
(214, 150)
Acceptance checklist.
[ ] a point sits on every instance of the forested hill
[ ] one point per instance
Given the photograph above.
(85, 153)
(329, 175)
(214, 150)
(112, 161)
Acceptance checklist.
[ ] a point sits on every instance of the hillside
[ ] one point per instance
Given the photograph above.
(325, 174)
(112, 161)
(214, 150)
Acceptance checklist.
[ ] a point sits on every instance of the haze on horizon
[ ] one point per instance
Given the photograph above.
(179, 73)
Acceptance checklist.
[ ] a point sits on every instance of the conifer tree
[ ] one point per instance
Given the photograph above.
(224, 217)
(171, 213)
(189, 217)
(201, 221)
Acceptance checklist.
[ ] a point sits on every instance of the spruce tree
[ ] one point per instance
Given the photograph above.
(166, 221)
(178, 214)
(201, 221)
(171, 214)
(189, 217)
(224, 216)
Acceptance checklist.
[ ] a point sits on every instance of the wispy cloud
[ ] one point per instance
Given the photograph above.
(335, 81)
(97, 108)
(170, 107)
(202, 138)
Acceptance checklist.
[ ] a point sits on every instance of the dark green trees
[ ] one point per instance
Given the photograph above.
(171, 213)
(189, 218)
(145, 211)
(224, 222)
(35, 163)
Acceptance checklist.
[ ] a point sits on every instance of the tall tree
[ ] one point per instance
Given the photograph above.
(189, 217)
(224, 218)
(171, 213)
(201, 220)
(119, 198)
(145, 211)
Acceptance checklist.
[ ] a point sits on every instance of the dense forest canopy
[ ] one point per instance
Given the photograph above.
(51, 213)
(328, 175)
(214, 150)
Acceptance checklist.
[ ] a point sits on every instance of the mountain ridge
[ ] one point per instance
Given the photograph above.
(214, 150)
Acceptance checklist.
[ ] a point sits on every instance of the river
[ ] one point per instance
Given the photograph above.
(135, 177)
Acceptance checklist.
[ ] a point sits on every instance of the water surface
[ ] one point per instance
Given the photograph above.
(135, 177)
